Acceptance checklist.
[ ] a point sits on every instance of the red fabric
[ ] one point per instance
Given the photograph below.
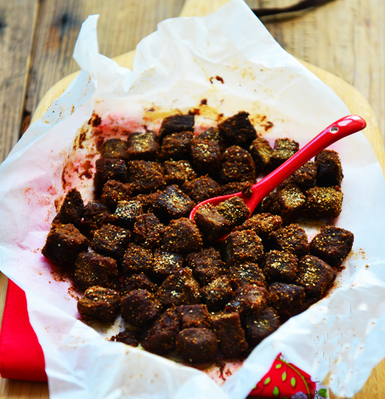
(21, 356)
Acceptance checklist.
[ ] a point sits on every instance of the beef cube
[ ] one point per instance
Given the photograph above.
(173, 203)
(238, 130)
(217, 293)
(160, 338)
(136, 282)
(280, 266)
(99, 303)
(213, 134)
(182, 236)
(260, 327)
(197, 345)
(148, 230)
(201, 188)
(262, 223)
(179, 288)
(126, 213)
(109, 169)
(237, 187)
(142, 146)
(166, 263)
(140, 308)
(178, 172)
(147, 200)
(332, 245)
(113, 192)
(176, 123)
(72, 209)
(212, 224)
(145, 176)
(111, 240)
(137, 260)
(228, 328)
(206, 264)
(291, 238)
(247, 273)
(64, 243)
(248, 299)
(114, 149)
(194, 316)
(176, 146)
(242, 247)
(287, 202)
(304, 177)
(283, 149)
(237, 165)
(286, 299)
(206, 156)
(128, 337)
(324, 202)
(329, 169)
(261, 152)
(95, 215)
(92, 269)
(315, 275)
(234, 210)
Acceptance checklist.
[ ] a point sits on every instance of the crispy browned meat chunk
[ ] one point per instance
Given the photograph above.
(142, 146)
(114, 149)
(201, 188)
(329, 172)
(262, 223)
(176, 123)
(283, 150)
(109, 169)
(145, 176)
(211, 223)
(238, 130)
(197, 345)
(95, 215)
(286, 299)
(234, 210)
(176, 146)
(213, 134)
(114, 191)
(92, 269)
(279, 266)
(64, 243)
(246, 273)
(217, 293)
(126, 213)
(248, 299)
(232, 341)
(194, 316)
(137, 260)
(237, 165)
(136, 282)
(304, 177)
(206, 156)
(178, 172)
(261, 152)
(72, 209)
(260, 327)
(99, 303)
(165, 263)
(148, 230)
(291, 238)
(128, 337)
(332, 245)
(324, 202)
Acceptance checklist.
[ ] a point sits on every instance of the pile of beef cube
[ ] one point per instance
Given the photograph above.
(133, 250)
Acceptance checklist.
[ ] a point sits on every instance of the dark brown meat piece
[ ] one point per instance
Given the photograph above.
(111, 240)
(324, 202)
(92, 269)
(211, 223)
(95, 215)
(332, 245)
(165, 263)
(213, 134)
(72, 209)
(137, 260)
(142, 146)
(114, 149)
(98, 303)
(109, 169)
(173, 203)
(228, 328)
(304, 177)
(206, 156)
(179, 288)
(286, 299)
(284, 148)
(145, 176)
(176, 123)
(260, 327)
(329, 172)
(128, 337)
(217, 293)
(147, 200)
(136, 282)
(291, 238)
(197, 345)
(242, 247)
(148, 230)
(201, 188)
(262, 223)
(113, 192)
(247, 273)
(194, 316)
(237, 165)
(64, 243)
(178, 172)
(140, 308)
(279, 266)
(160, 338)
(238, 130)
(182, 236)
(176, 146)
(315, 275)
(248, 299)
(206, 265)
(234, 210)
(261, 152)
(237, 187)
(126, 213)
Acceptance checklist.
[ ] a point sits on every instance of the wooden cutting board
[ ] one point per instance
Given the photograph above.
(357, 104)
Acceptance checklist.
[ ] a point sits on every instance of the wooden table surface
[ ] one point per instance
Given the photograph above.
(37, 37)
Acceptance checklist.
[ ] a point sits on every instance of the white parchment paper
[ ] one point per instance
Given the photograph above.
(342, 335)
